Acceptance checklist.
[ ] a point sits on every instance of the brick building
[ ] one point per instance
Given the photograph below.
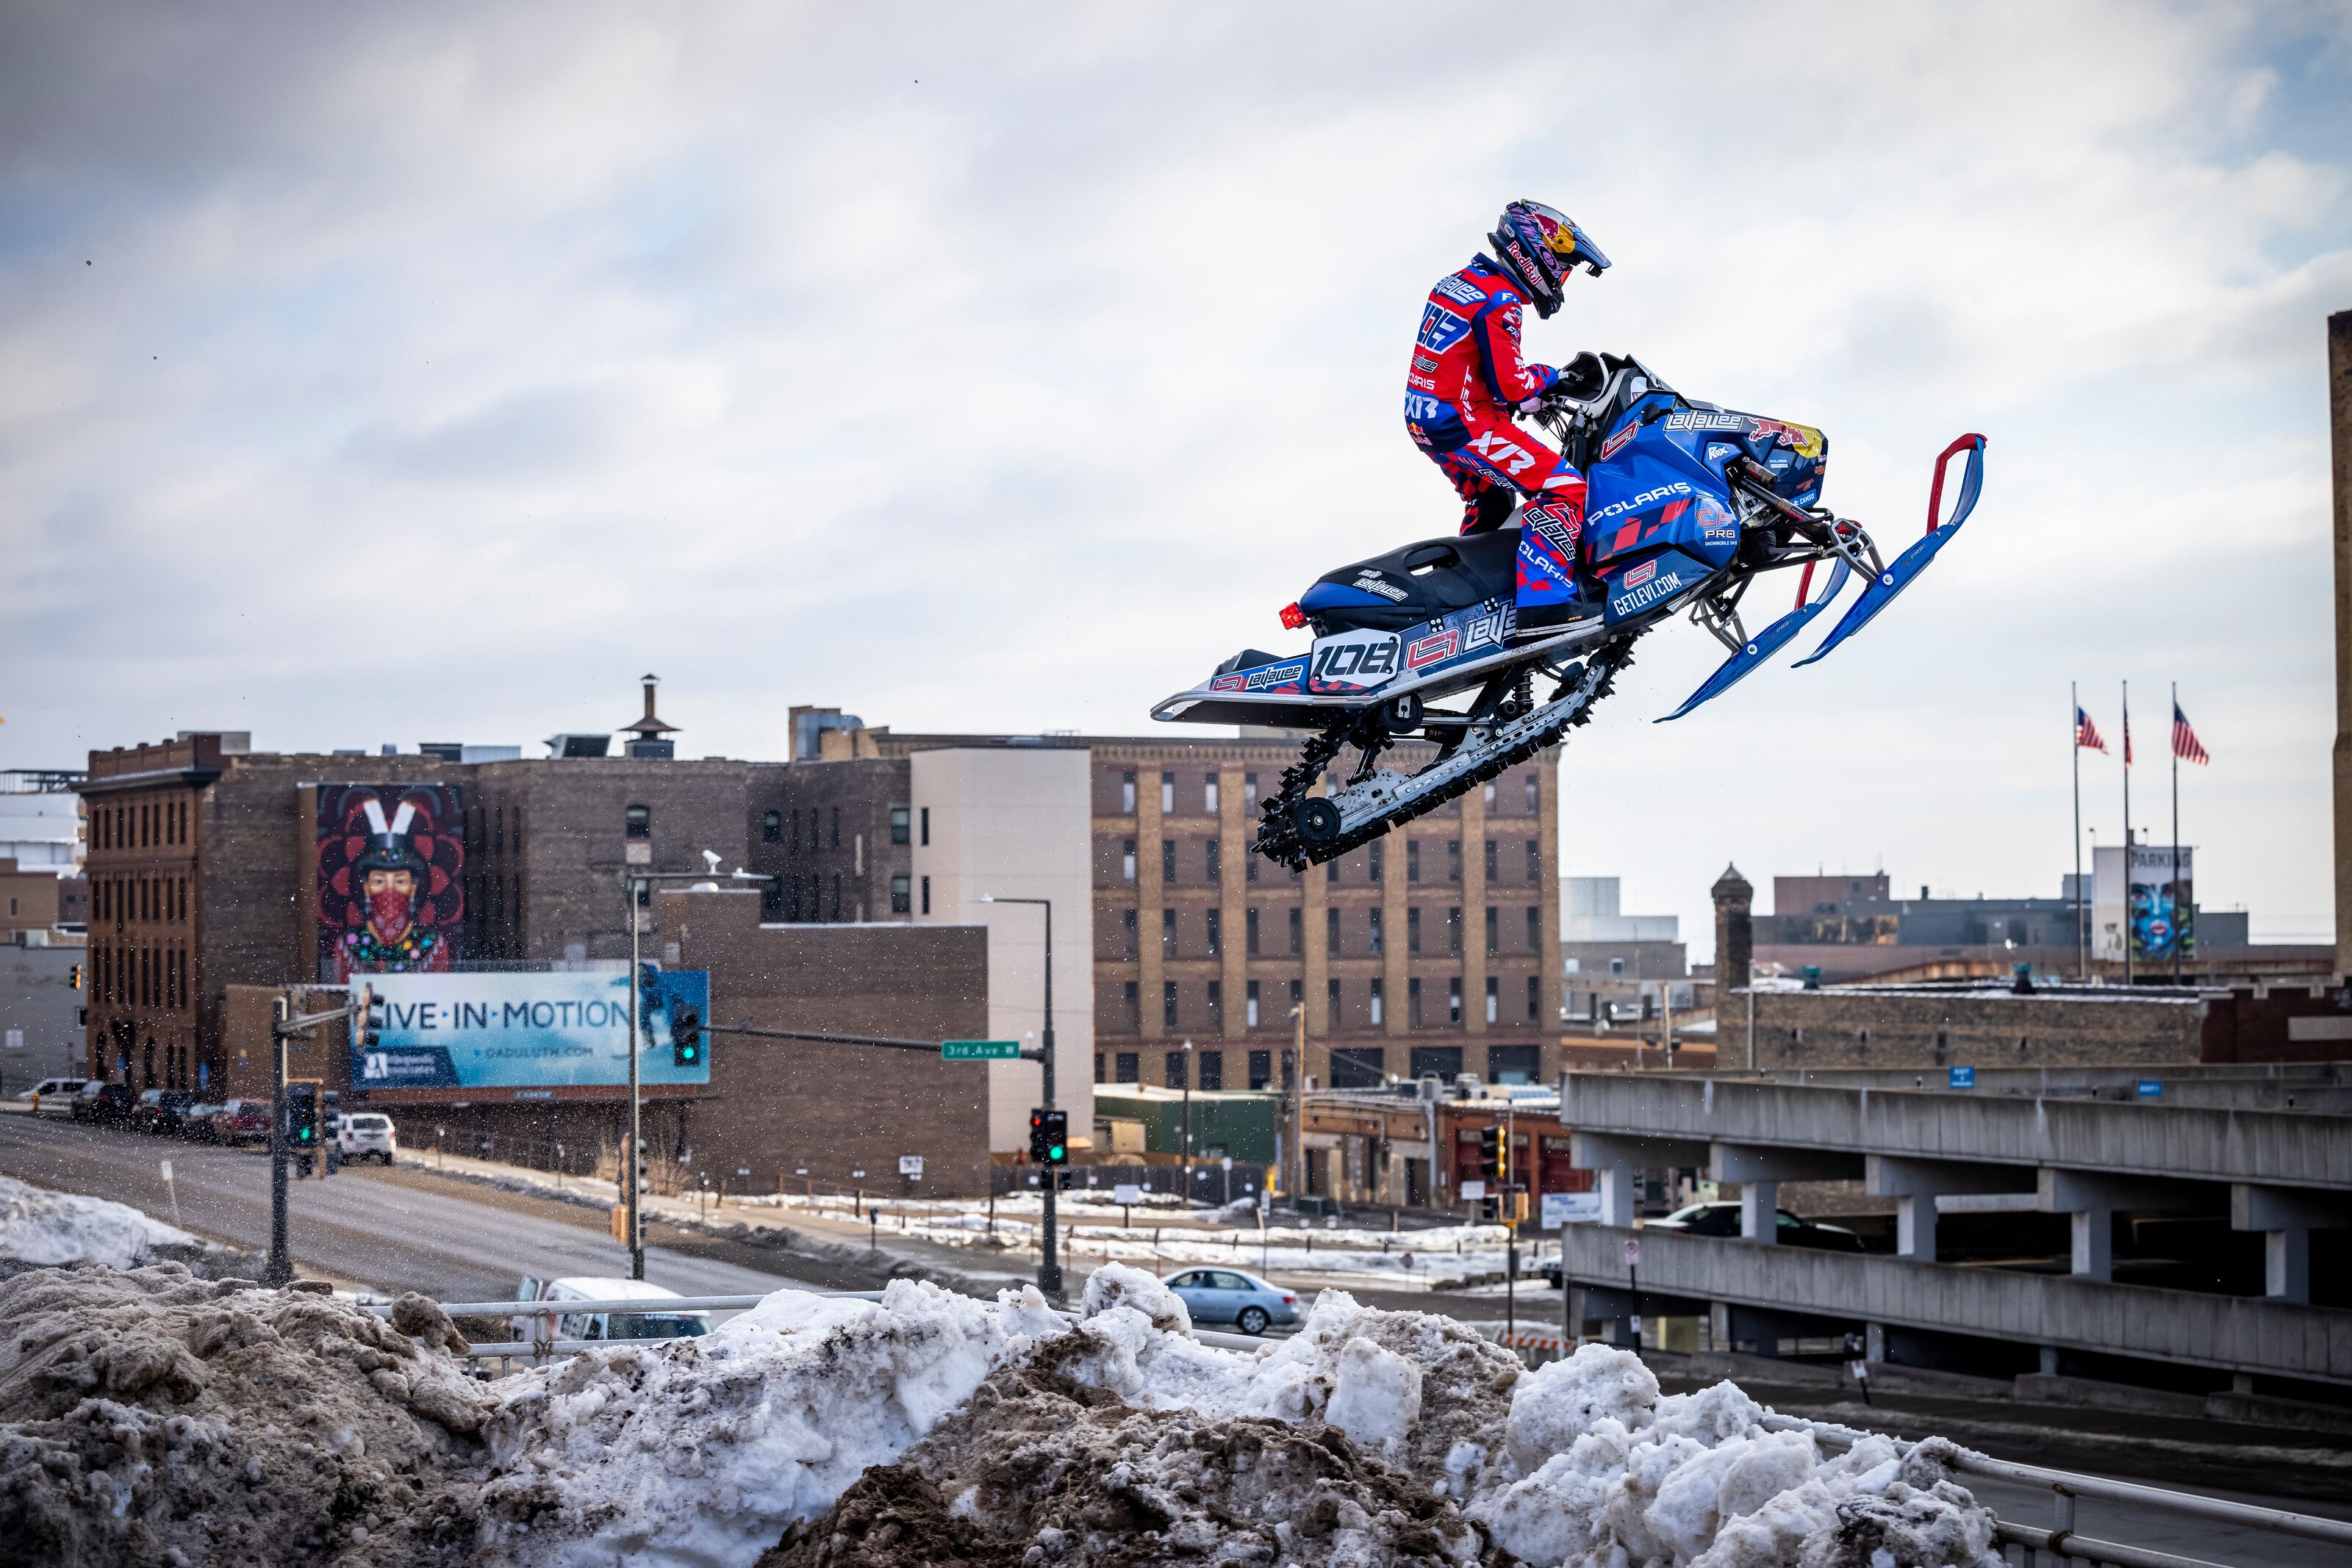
(1387, 1148)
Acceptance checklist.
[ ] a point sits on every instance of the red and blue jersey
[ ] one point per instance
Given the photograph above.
(1467, 374)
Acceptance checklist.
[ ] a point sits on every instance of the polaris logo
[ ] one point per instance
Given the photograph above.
(1370, 582)
(1647, 497)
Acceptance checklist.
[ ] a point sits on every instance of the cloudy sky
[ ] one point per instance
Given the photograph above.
(379, 374)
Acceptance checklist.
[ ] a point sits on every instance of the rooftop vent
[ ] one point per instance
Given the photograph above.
(649, 730)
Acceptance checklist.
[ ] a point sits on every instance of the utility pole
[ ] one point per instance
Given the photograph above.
(1187, 1058)
(280, 1267)
(1049, 1259)
(2128, 838)
(1296, 1092)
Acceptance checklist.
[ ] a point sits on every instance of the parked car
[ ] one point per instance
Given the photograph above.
(242, 1121)
(555, 1323)
(1230, 1296)
(53, 1096)
(366, 1135)
(196, 1121)
(1722, 1218)
(105, 1103)
(162, 1111)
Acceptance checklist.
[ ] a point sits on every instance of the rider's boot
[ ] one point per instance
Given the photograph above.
(1550, 595)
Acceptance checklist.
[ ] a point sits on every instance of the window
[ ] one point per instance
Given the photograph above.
(1249, 794)
(1125, 1067)
(1534, 998)
(1297, 993)
(1098, 1067)
(1492, 874)
(927, 900)
(772, 827)
(1211, 866)
(1535, 863)
(1375, 936)
(1494, 931)
(1167, 933)
(1209, 794)
(1217, 1008)
(1172, 1071)
(1493, 999)
(1374, 861)
(1376, 1004)
(1535, 929)
(899, 823)
(1331, 1008)
(902, 895)
(1616, 966)
(792, 842)
(927, 825)
(1127, 861)
(836, 827)
(771, 901)
(1453, 999)
(637, 821)
(1168, 860)
(1126, 793)
(1413, 1005)
(1454, 931)
(1454, 859)
(1249, 1016)
(1331, 871)
(836, 895)
(1261, 1067)
(1168, 1004)
(1127, 943)
(1531, 794)
(1412, 929)
(1249, 862)
(1490, 794)
(1212, 1070)
(1168, 794)
(1297, 936)
(1514, 1064)
(1331, 933)
(1134, 1013)
(1365, 1067)
(1249, 936)
(1216, 932)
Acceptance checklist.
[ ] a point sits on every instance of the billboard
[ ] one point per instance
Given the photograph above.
(529, 1030)
(2145, 900)
(391, 899)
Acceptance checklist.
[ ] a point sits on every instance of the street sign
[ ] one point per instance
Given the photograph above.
(1569, 1208)
(1964, 1077)
(167, 1170)
(1632, 1251)
(1473, 1190)
(1127, 1192)
(911, 1165)
(979, 1050)
(2151, 1089)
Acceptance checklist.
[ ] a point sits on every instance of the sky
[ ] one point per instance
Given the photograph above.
(389, 374)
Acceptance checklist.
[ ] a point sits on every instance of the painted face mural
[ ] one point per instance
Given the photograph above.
(391, 899)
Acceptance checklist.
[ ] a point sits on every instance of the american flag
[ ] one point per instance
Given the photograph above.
(2184, 745)
(2086, 732)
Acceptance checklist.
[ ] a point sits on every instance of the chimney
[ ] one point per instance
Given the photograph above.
(649, 734)
(1735, 933)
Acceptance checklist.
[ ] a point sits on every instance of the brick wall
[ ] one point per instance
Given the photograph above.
(1934, 1029)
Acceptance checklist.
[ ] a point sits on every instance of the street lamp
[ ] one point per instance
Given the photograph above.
(1049, 1261)
(1188, 1122)
(638, 884)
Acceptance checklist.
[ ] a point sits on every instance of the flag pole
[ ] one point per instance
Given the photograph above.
(2177, 927)
(2075, 746)
(2128, 837)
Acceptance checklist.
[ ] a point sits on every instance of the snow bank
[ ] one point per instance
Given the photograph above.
(40, 1228)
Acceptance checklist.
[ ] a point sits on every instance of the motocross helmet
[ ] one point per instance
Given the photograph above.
(1539, 246)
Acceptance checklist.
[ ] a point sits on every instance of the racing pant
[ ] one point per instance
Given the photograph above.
(1499, 464)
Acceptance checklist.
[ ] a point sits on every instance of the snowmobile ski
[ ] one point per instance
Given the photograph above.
(1763, 645)
(1907, 566)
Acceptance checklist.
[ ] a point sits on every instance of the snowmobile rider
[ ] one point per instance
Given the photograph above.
(1467, 378)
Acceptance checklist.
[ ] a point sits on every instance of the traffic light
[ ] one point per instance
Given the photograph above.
(648, 996)
(684, 1037)
(302, 1116)
(1493, 1157)
(73, 975)
(1049, 1137)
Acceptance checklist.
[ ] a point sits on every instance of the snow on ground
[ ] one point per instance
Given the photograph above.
(41, 1228)
(148, 1416)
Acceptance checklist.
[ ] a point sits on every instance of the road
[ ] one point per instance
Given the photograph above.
(392, 1230)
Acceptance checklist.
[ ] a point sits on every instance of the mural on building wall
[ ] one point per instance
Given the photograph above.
(390, 897)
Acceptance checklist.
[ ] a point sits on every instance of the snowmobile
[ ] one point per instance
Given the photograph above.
(1687, 504)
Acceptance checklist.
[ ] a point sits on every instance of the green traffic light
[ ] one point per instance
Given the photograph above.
(1054, 1153)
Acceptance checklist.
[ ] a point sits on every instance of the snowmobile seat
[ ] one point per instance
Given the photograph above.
(1417, 583)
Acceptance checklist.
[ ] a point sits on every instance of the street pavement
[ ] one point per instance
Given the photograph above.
(390, 1230)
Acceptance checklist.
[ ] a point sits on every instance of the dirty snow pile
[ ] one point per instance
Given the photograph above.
(148, 1416)
(40, 1228)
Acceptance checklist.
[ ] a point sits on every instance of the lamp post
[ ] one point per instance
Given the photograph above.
(638, 885)
(1187, 1059)
(1049, 1260)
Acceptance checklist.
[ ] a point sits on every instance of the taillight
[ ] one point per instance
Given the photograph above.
(1288, 1300)
(1293, 617)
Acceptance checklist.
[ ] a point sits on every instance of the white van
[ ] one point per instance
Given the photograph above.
(555, 1323)
(53, 1096)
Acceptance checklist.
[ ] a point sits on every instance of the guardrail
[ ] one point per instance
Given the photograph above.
(2060, 1541)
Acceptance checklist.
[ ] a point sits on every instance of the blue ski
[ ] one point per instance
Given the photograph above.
(1913, 561)
(1761, 646)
